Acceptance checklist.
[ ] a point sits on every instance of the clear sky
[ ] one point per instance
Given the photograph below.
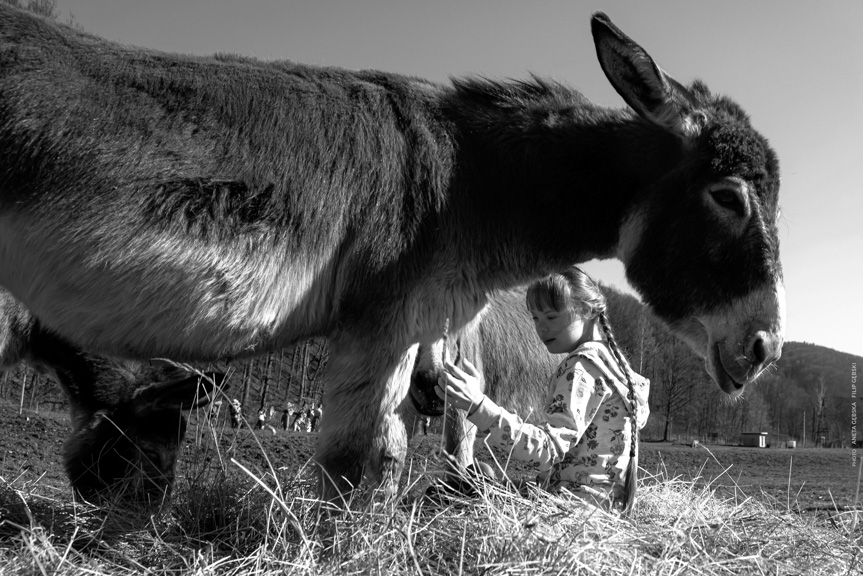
(795, 66)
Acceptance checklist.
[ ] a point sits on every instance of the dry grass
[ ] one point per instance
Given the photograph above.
(223, 520)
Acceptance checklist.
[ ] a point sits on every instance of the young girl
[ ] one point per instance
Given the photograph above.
(594, 405)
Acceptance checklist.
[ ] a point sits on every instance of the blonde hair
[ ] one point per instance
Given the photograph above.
(571, 290)
(577, 292)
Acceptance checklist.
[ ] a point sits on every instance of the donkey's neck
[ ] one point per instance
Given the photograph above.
(555, 179)
(78, 373)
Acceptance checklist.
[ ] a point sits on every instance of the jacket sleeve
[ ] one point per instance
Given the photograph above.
(575, 399)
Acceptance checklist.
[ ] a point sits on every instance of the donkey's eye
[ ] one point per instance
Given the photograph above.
(729, 199)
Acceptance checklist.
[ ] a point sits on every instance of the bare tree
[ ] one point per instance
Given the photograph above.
(291, 372)
(247, 380)
(279, 372)
(304, 371)
(265, 386)
(317, 364)
(673, 377)
(47, 8)
(4, 383)
(757, 410)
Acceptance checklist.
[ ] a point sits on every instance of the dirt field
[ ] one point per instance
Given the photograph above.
(30, 455)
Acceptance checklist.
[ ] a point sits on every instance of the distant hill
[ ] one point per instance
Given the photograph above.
(806, 364)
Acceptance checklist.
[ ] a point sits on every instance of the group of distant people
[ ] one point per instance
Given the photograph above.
(294, 418)
(305, 418)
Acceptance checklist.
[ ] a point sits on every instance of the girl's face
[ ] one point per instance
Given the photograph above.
(562, 331)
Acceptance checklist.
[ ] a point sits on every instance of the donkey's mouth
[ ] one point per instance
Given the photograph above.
(423, 395)
(721, 374)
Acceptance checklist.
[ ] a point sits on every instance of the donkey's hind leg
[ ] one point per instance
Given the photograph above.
(362, 433)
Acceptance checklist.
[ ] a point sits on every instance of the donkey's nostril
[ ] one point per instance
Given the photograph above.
(759, 352)
(765, 348)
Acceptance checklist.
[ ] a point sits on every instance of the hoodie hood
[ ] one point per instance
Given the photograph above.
(600, 355)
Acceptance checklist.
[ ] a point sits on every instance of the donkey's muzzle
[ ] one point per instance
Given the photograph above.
(423, 395)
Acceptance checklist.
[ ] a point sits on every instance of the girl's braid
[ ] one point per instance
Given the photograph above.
(624, 365)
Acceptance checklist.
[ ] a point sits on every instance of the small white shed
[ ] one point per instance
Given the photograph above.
(754, 439)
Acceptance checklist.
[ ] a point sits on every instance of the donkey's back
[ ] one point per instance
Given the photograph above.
(240, 199)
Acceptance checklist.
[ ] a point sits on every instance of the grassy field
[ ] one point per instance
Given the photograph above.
(810, 479)
(719, 510)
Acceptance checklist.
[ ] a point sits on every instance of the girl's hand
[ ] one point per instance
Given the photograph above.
(459, 387)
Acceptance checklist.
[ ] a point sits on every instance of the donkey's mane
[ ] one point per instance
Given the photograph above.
(483, 91)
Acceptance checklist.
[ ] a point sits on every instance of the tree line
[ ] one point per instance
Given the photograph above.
(289, 377)
(805, 397)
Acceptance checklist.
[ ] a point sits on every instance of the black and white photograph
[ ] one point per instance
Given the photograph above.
(430, 288)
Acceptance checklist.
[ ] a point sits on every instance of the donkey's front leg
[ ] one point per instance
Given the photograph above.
(361, 432)
(459, 437)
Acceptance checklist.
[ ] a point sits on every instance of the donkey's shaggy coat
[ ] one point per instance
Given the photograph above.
(154, 204)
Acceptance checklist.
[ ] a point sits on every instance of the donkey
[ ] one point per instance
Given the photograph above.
(127, 417)
(195, 208)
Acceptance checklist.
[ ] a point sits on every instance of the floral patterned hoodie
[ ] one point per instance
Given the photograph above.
(584, 445)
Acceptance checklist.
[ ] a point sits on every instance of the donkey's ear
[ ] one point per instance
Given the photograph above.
(654, 95)
(193, 391)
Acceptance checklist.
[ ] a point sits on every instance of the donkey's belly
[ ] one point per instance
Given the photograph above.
(154, 295)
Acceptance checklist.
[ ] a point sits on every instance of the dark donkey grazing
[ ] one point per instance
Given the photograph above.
(197, 208)
(127, 416)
